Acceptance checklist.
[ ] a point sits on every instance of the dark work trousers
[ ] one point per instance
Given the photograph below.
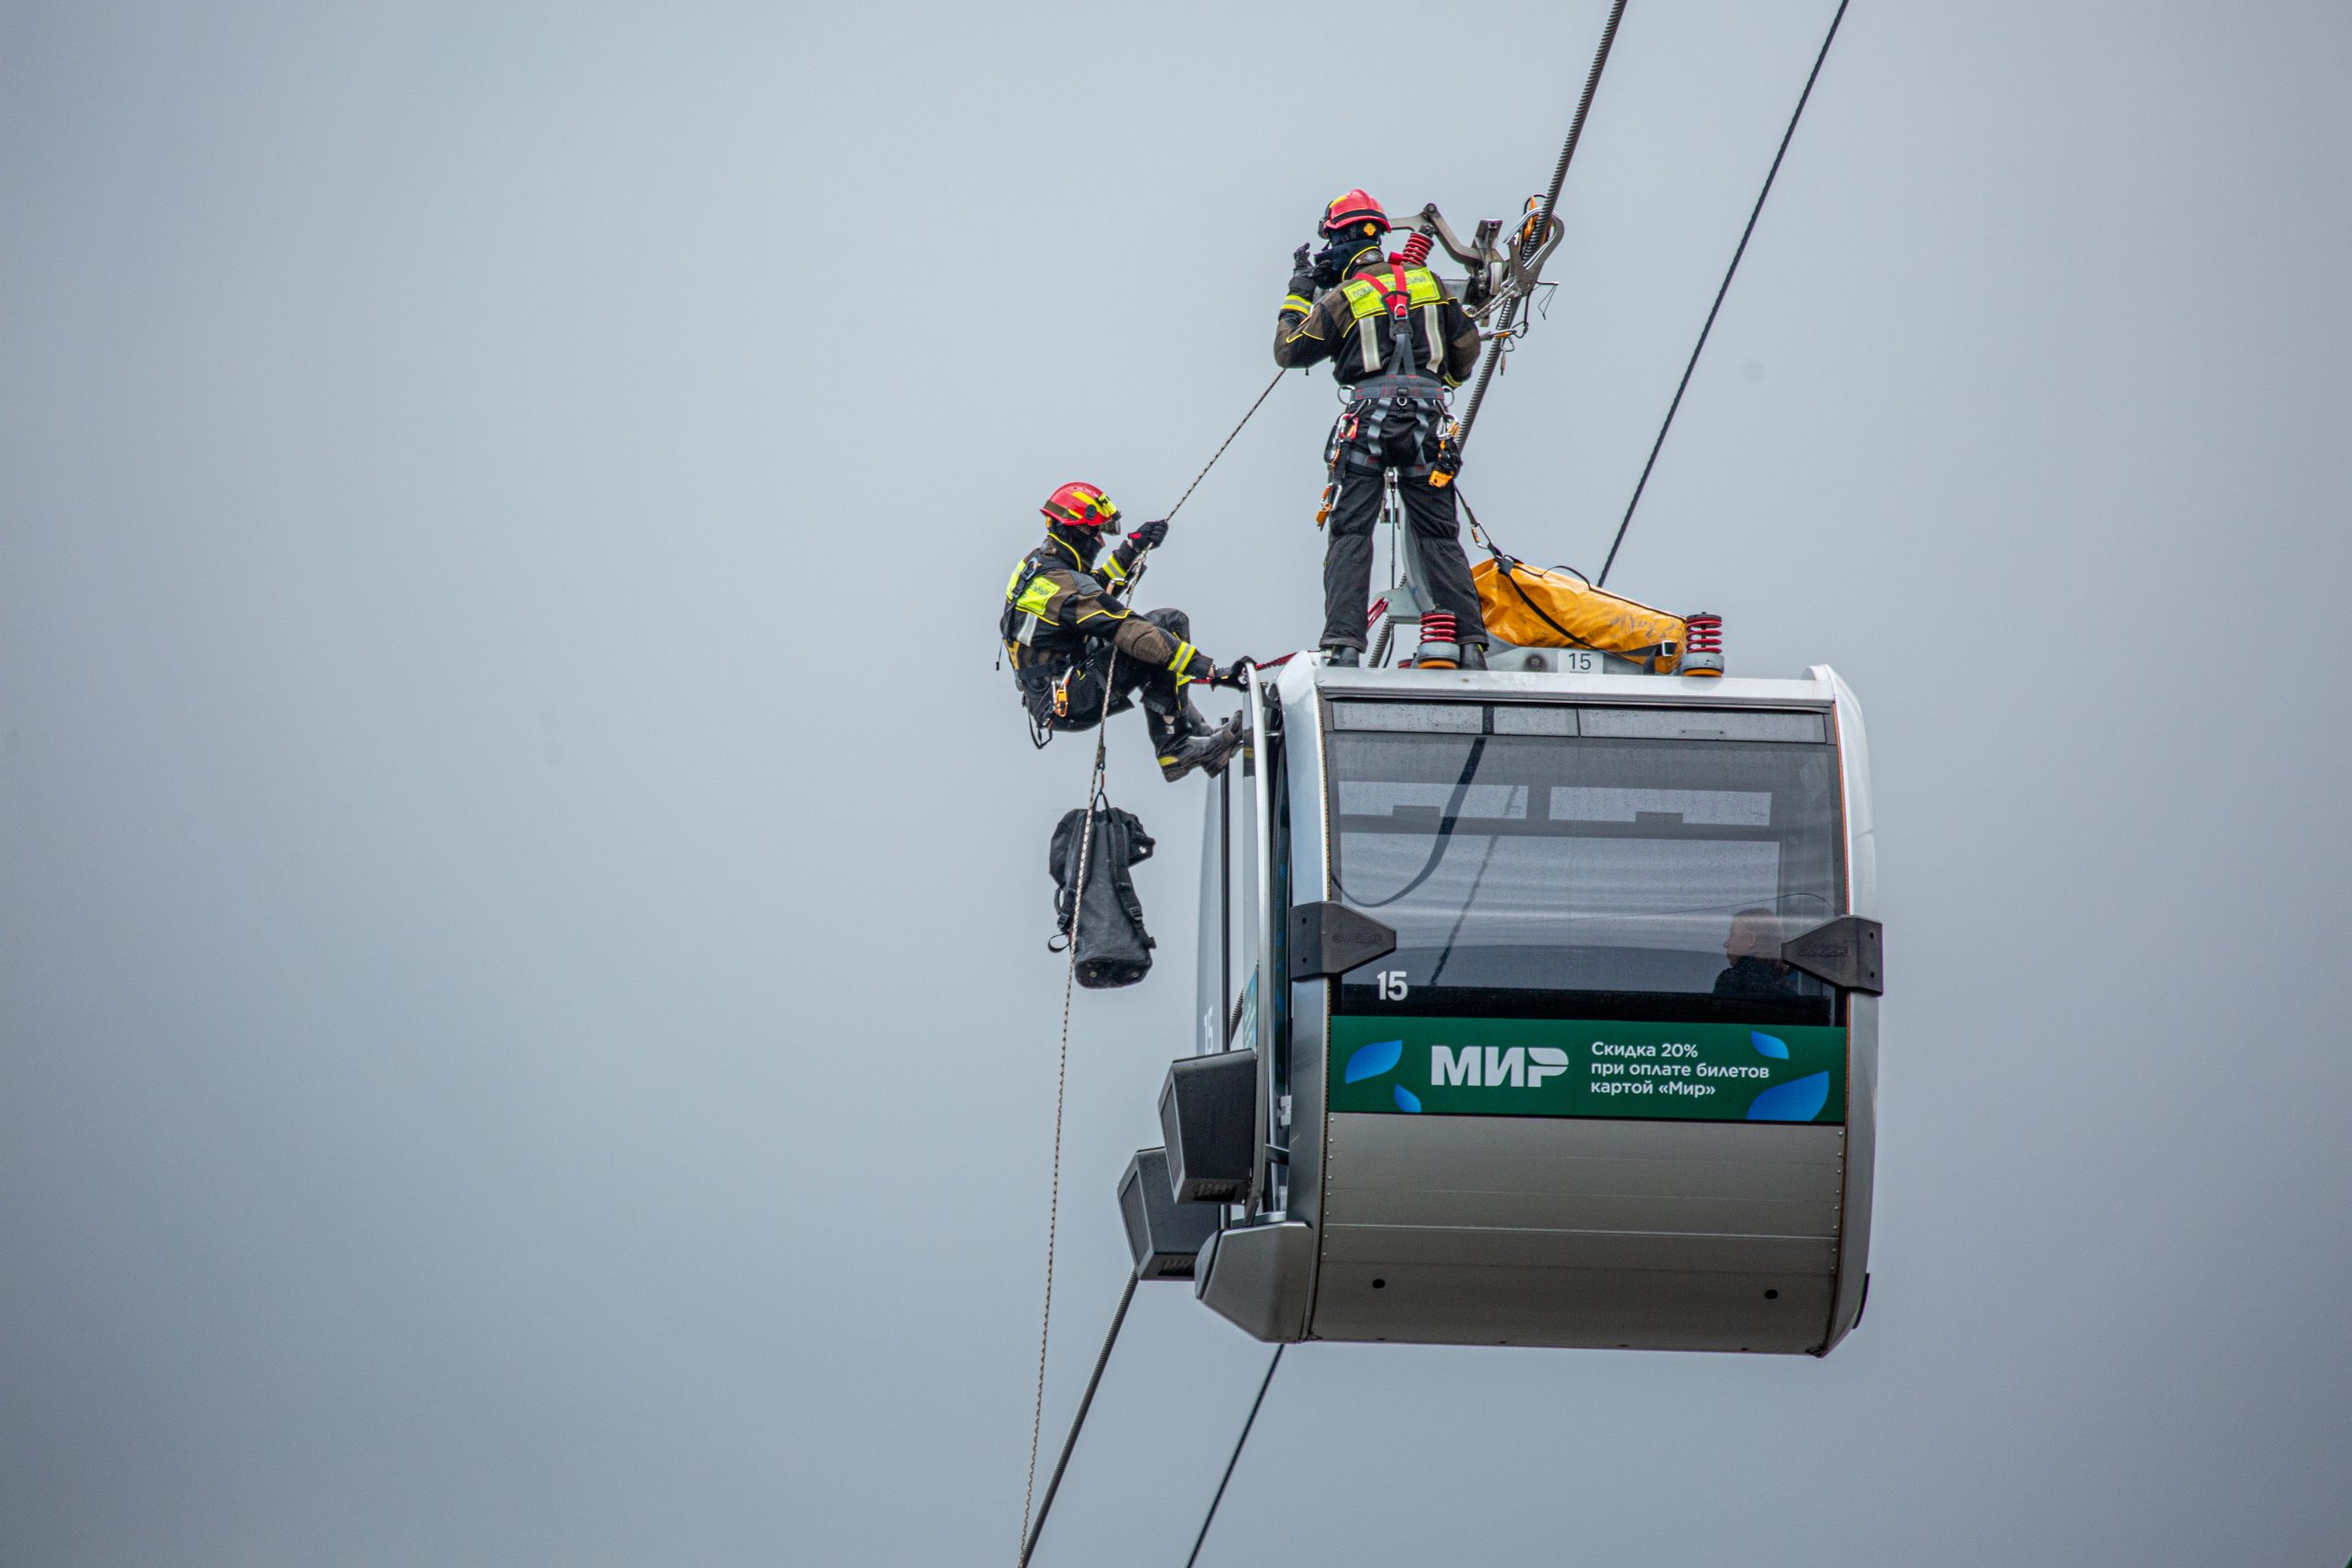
(1168, 712)
(1347, 559)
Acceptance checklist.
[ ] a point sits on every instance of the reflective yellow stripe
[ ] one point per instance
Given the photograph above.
(1364, 295)
(1013, 584)
(1184, 656)
(1037, 596)
(1293, 302)
(1112, 569)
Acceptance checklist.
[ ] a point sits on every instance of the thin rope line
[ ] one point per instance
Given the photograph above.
(1069, 981)
(1061, 1073)
(1729, 273)
(1222, 446)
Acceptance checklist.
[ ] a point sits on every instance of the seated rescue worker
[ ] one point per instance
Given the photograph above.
(1345, 306)
(1753, 946)
(1071, 639)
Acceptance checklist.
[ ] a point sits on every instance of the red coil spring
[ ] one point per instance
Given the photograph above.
(1437, 626)
(1705, 633)
(1416, 251)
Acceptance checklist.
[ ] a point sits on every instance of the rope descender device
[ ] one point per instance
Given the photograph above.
(1448, 460)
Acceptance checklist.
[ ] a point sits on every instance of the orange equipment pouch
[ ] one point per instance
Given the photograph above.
(1529, 606)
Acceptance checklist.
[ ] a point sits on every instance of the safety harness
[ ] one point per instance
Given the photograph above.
(1053, 663)
(1404, 407)
(1044, 674)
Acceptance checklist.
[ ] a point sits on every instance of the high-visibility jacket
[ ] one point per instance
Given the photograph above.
(1350, 325)
(1053, 609)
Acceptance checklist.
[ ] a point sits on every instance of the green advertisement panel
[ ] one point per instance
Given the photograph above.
(1548, 1066)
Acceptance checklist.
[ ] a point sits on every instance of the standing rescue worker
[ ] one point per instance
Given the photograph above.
(1070, 638)
(1346, 305)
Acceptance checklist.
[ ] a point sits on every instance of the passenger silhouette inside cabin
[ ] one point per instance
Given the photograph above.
(1754, 948)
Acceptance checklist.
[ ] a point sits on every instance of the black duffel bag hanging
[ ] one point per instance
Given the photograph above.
(1112, 947)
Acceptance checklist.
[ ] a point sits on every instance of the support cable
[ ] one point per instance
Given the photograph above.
(1729, 273)
(1543, 223)
(1210, 1518)
(1085, 1403)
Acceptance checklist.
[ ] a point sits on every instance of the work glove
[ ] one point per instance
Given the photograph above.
(1302, 274)
(1235, 674)
(1151, 535)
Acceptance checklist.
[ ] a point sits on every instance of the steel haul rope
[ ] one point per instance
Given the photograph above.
(1543, 220)
(1828, 39)
(1238, 1443)
(1086, 1402)
(1061, 1075)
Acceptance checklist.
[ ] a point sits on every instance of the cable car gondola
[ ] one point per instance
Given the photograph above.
(1533, 1008)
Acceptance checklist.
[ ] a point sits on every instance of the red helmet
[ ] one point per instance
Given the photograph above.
(1081, 505)
(1352, 208)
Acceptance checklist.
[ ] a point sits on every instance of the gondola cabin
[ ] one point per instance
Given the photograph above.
(1535, 1009)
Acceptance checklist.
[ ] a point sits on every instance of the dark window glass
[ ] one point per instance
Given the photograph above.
(1531, 875)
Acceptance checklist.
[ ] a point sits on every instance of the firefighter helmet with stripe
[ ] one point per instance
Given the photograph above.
(1351, 211)
(1081, 505)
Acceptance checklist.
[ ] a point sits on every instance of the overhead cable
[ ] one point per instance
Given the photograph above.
(1238, 1443)
(1085, 1403)
(1728, 273)
(1543, 221)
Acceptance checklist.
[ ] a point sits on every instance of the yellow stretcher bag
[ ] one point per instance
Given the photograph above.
(1529, 607)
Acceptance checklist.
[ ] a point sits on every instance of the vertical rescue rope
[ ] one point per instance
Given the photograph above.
(1061, 1072)
(1700, 347)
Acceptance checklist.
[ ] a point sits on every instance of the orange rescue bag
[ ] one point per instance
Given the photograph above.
(1529, 607)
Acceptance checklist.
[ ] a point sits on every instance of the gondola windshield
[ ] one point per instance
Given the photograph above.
(1539, 863)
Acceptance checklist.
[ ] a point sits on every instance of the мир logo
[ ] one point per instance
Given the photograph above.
(1491, 1067)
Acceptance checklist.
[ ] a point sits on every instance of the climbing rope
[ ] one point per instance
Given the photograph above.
(1061, 1081)
(1223, 444)
(1061, 1073)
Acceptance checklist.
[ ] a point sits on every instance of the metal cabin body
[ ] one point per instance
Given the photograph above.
(1600, 1092)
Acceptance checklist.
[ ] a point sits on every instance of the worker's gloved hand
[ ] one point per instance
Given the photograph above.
(1235, 674)
(1302, 274)
(1151, 535)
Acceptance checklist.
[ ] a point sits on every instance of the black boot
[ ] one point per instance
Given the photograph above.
(1342, 658)
(1474, 656)
(1211, 749)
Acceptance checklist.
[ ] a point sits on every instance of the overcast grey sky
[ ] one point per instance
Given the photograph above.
(525, 1031)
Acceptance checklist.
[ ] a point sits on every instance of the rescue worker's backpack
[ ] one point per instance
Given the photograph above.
(1112, 947)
